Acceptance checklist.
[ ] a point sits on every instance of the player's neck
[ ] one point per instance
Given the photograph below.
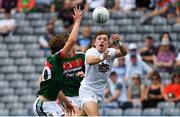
(70, 54)
(101, 51)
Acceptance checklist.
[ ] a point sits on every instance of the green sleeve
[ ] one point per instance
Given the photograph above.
(58, 56)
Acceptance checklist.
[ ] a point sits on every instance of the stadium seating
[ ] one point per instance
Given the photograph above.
(133, 112)
(113, 112)
(171, 112)
(178, 105)
(22, 59)
(166, 105)
(4, 112)
(18, 112)
(152, 112)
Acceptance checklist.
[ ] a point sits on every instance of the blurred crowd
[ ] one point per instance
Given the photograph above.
(150, 8)
(146, 76)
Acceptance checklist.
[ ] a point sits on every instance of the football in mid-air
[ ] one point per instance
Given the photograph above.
(100, 15)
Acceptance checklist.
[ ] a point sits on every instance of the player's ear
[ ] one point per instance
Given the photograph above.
(94, 42)
(108, 43)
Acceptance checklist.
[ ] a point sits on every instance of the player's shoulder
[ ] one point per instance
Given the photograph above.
(57, 53)
(91, 49)
(111, 49)
(80, 53)
(54, 56)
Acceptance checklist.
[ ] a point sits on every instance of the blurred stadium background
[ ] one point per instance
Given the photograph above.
(27, 25)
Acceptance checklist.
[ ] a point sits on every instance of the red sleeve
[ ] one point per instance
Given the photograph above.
(167, 89)
(61, 54)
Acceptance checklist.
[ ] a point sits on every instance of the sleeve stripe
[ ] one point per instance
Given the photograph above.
(61, 54)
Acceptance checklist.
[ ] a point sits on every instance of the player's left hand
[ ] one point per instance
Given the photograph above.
(69, 109)
(78, 13)
(115, 37)
(80, 74)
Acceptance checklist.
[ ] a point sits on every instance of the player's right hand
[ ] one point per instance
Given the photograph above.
(69, 109)
(115, 37)
(78, 13)
(106, 54)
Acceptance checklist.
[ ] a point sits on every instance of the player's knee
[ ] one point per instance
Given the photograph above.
(91, 108)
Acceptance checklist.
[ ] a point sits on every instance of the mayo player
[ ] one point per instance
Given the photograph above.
(52, 77)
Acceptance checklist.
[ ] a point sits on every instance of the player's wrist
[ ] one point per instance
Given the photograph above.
(77, 21)
(118, 42)
(101, 57)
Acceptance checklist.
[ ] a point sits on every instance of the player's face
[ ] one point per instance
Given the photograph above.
(102, 42)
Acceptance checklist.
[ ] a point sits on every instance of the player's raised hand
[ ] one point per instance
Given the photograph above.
(80, 74)
(115, 37)
(78, 13)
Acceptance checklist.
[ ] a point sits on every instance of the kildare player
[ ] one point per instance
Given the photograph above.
(98, 65)
(52, 77)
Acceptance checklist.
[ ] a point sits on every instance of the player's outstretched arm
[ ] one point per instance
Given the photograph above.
(122, 50)
(96, 59)
(74, 33)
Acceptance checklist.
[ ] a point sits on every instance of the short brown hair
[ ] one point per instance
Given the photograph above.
(101, 33)
(57, 42)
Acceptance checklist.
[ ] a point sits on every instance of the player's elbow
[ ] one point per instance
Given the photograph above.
(89, 61)
(124, 53)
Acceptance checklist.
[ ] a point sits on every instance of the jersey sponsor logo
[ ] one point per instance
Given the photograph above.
(103, 67)
(73, 64)
(71, 68)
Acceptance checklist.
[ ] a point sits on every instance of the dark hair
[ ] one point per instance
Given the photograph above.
(113, 73)
(172, 78)
(137, 76)
(176, 71)
(155, 74)
(57, 42)
(163, 35)
(101, 33)
(149, 38)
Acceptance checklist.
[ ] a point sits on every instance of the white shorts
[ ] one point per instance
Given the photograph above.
(47, 108)
(87, 95)
(75, 101)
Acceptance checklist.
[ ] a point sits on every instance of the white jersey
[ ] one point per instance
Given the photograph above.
(96, 75)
